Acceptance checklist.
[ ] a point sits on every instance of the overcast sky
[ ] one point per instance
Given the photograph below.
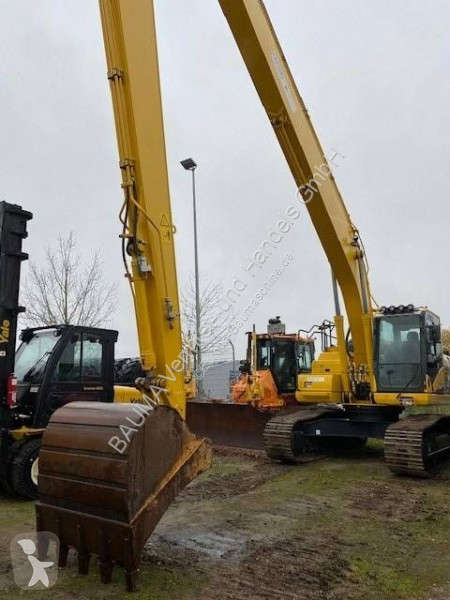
(375, 77)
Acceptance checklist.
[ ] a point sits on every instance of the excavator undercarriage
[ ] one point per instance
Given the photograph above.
(415, 445)
(302, 433)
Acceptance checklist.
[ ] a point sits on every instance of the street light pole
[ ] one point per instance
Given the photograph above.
(234, 355)
(190, 165)
(197, 280)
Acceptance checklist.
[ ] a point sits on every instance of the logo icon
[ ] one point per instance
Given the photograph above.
(35, 560)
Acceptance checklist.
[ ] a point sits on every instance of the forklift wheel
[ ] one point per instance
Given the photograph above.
(6, 482)
(24, 469)
(6, 486)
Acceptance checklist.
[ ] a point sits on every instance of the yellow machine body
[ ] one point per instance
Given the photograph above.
(324, 383)
(125, 394)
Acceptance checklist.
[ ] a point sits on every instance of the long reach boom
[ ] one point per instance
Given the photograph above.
(265, 61)
(132, 58)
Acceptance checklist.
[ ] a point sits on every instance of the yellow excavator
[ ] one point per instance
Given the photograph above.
(386, 378)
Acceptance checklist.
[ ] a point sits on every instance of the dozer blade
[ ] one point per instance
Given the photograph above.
(232, 425)
(105, 502)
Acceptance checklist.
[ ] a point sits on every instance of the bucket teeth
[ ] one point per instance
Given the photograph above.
(106, 499)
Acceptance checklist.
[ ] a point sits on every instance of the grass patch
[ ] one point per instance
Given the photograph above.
(377, 581)
(155, 582)
(16, 512)
(221, 468)
(402, 556)
(329, 477)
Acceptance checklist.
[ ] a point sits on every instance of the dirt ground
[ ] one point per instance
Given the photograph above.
(342, 528)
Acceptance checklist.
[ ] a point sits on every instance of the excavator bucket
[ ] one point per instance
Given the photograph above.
(107, 474)
(227, 424)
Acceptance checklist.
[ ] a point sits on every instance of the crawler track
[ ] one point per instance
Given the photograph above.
(280, 441)
(417, 444)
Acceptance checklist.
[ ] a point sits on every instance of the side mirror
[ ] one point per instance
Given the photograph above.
(433, 334)
(436, 333)
(433, 342)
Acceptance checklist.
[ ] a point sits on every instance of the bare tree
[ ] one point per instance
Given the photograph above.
(215, 322)
(446, 340)
(64, 290)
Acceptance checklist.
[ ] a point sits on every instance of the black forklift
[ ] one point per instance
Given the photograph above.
(52, 366)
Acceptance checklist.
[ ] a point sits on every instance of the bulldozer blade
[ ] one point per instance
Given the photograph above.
(107, 474)
(228, 424)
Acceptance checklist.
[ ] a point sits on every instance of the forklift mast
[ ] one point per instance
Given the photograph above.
(13, 229)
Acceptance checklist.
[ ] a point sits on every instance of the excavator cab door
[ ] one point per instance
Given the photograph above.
(305, 356)
(264, 346)
(284, 365)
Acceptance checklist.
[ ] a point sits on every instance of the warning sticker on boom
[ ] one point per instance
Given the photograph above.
(282, 76)
(165, 222)
(168, 231)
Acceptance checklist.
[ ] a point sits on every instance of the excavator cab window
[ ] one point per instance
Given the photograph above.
(305, 356)
(284, 365)
(399, 347)
(407, 348)
(263, 355)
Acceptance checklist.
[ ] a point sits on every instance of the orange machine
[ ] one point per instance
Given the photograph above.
(269, 374)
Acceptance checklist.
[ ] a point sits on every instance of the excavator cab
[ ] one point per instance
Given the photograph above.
(286, 355)
(274, 361)
(408, 349)
(279, 356)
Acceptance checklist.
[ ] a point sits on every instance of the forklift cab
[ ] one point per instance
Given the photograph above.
(56, 365)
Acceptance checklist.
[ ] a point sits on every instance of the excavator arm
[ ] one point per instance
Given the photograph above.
(267, 66)
(148, 232)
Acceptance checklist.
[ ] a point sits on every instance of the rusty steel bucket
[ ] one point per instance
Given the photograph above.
(105, 502)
